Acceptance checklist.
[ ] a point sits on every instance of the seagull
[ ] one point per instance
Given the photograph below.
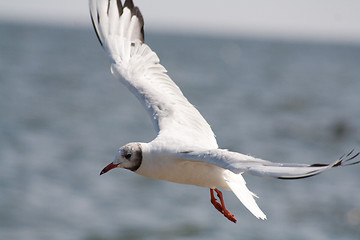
(185, 150)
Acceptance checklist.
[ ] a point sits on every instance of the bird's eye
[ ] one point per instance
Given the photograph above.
(128, 156)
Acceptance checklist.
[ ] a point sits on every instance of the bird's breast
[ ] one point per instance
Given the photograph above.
(177, 170)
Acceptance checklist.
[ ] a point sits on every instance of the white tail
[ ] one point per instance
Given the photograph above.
(238, 185)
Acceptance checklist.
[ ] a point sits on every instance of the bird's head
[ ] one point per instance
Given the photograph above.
(128, 157)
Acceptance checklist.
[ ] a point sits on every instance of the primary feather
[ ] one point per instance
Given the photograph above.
(120, 30)
(239, 163)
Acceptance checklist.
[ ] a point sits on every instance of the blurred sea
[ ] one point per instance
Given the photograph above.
(63, 116)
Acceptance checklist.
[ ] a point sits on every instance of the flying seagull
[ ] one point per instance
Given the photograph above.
(185, 149)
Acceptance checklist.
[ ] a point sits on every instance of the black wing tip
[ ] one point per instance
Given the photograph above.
(129, 4)
(346, 160)
(94, 26)
(186, 152)
(120, 7)
(300, 177)
(135, 11)
(319, 165)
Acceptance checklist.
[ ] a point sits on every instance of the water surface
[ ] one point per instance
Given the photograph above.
(63, 116)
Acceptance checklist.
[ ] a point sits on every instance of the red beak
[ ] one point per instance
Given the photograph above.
(108, 168)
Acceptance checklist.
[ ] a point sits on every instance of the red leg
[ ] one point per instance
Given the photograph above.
(221, 206)
(216, 204)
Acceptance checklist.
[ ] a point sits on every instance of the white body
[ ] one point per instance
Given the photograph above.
(160, 163)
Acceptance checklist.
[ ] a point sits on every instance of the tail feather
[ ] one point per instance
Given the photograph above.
(238, 185)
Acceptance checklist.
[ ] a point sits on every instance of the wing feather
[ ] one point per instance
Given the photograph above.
(120, 31)
(239, 163)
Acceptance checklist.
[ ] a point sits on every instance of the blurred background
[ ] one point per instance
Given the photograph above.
(276, 80)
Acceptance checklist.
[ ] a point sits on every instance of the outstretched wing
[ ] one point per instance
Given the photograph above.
(239, 163)
(120, 30)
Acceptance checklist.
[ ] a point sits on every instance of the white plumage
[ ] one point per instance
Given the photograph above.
(139, 68)
(185, 149)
